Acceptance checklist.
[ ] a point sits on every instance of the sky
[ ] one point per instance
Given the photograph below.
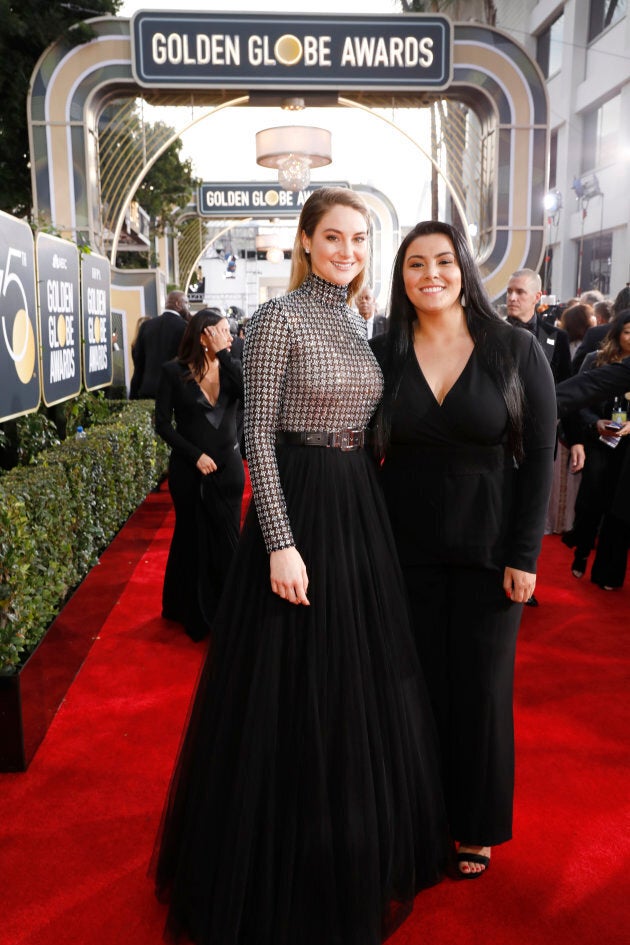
(222, 147)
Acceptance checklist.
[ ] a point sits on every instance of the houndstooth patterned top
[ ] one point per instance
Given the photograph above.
(307, 366)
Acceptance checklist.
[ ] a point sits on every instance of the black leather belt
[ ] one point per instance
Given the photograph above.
(345, 440)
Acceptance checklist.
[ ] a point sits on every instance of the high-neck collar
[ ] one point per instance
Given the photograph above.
(325, 291)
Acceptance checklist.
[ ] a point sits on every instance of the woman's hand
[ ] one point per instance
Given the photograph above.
(518, 585)
(217, 337)
(604, 430)
(289, 579)
(625, 430)
(206, 464)
(578, 457)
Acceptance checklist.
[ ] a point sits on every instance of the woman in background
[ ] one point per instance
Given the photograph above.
(576, 321)
(467, 432)
(195, 412)
(600, 497)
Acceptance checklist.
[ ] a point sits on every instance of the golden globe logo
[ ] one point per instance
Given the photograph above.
(21, 345)
(22, 348)
(288, 50)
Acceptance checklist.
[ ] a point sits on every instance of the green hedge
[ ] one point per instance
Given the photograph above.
(58, 515)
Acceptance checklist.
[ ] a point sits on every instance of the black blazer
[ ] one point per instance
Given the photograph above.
(555, 344)
(472, 505)
(589, 387)
(199, 426)
(157, 342)
(380, 325)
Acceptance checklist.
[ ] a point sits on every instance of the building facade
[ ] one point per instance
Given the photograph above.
(583, 50)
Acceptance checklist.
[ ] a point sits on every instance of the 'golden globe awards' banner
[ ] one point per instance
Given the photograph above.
(97, 321)
(59, 323)
(19, 372)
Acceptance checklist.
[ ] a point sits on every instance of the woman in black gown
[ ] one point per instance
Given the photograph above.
(199, 391)
(467, 428)
(305, 807)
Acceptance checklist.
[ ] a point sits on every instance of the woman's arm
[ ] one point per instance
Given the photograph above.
(266, 357)
(533, 478)
(588, 387)
(232, 368)
(265, 362)
(165, 404)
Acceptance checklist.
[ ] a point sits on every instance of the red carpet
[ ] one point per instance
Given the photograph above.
(77, 828)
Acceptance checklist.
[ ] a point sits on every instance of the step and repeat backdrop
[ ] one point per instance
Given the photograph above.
(55, 312)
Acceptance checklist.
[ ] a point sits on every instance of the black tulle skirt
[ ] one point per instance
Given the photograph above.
(305, 807)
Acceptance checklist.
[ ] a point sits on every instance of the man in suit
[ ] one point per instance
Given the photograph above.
(523, 294)
(366, 304)
(158, 341)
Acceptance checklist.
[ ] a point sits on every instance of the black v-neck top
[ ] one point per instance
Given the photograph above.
(454, 492)
(186, 419)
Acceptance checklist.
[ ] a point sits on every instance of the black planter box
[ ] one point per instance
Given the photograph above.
(30, 698)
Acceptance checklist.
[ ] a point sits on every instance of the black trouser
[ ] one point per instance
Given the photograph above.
(611, 560)
(594, 496)
(465, 629)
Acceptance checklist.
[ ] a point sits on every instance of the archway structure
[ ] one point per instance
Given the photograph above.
(490, 73)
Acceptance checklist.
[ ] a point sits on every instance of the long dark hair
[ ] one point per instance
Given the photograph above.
(610, 351)
(489, 332)
(191, 352)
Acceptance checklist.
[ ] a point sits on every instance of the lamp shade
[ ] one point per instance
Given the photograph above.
(274, 145)
(265, 241)
(275, 255)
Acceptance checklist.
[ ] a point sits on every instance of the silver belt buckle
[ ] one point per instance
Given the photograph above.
(351, 440)
(346, 442)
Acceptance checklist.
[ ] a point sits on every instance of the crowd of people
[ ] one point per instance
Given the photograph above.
(350, 739)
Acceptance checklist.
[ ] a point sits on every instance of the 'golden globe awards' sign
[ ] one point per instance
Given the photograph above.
(297, 52)
(59, 325)
(97, 321)
(255, 200)
(19, 371)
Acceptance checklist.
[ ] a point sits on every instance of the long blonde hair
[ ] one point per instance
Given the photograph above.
(320, 202)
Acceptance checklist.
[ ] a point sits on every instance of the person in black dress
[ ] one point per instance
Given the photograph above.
(195, 412)
(467, 430)
(306, 805)
(603, 493)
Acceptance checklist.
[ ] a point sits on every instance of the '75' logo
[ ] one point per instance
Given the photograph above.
(21, 347)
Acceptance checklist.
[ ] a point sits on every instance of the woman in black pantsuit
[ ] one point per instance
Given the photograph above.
(199, 391)
(467, 431)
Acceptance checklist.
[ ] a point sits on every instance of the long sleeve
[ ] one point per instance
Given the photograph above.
(232, 369)
(164, 410)
(307, 366)
(535, 473)
(137, 356)
(561, 360)
(265, 357)
(609, 380)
